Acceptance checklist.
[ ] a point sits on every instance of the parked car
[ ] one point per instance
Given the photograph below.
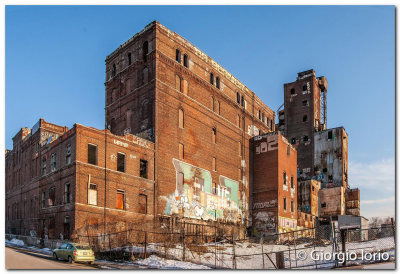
(73, 252)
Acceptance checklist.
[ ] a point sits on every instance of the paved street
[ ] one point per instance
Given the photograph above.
(21, 259)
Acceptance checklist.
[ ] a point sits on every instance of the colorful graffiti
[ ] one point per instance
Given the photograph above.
(196, 196)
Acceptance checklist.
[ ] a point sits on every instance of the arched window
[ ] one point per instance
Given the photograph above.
(185, 60)
(185, 87)
(113, 71)
(212, 78)
(129, 59)
(145, 50)
(178, 55)
(178, 82)
(217, 82)
(181, 119)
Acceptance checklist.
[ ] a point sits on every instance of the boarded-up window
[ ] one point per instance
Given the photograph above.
(181, 151)
(185, 87)
(92, 194)
(120, 162)
(143, 168)
(143, 203)
(214, 164)
(120, 199)
(67, 193)
(92, 154)
(180, 182)
(181, 118)
(128, 86)
(178, 82)
(52, 196)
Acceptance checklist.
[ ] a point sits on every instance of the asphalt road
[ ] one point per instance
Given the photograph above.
(21, 259)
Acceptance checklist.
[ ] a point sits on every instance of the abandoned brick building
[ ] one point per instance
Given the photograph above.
(273, 184)
(56, 180)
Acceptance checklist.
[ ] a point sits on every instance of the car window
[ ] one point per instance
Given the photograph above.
(83, 247)
(63, 246)
(69, 246)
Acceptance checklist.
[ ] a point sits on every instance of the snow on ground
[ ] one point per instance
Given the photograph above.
(161, 263)
(16, 242)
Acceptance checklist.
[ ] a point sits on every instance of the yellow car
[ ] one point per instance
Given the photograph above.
(73, 252)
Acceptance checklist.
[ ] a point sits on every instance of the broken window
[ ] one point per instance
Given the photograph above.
(129, 59)
(181, 118)
(284, 178)
(292, 91)
(212, 78)
(305, 103)
(330, 135)
(185, 60)
(67, 193)
(120, 162)
(44, 167)
(305, 138)
(214, 135)
(181, 151)
(92, 154)
(120, 199)
(305, 118)
(53, 162)
(214, 164)
(178, 55)
(92, 194)
(145, 50)
(52, 196)
(68, 154)
(217, 82)
(43, 199)
(143, 168)
(284, 203)
(113, 71)
(238, 97)
(142, 203)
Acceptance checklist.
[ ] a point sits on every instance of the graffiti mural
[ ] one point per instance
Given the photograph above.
(196, 196)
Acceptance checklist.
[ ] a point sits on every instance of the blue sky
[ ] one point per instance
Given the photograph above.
(55, 67)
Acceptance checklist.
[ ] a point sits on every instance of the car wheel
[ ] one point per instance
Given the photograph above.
(70, 259)
(55, 256)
